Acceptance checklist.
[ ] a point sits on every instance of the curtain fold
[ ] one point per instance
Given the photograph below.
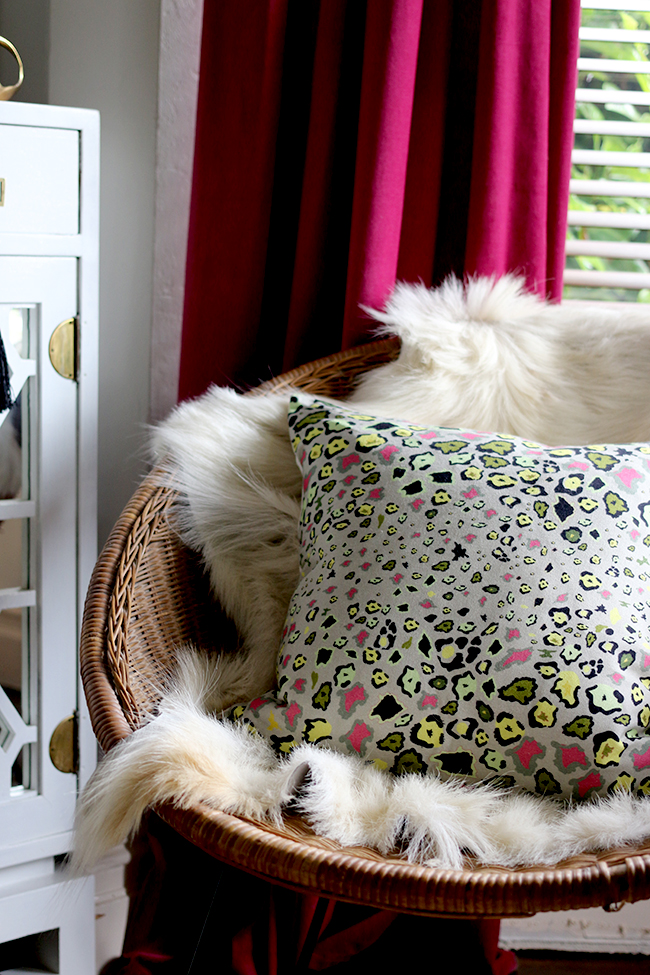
(519, 193)
(389, 69)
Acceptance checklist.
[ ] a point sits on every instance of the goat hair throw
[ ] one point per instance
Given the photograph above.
(477, 623)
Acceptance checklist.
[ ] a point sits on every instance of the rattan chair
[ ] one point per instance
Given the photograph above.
(149, 595)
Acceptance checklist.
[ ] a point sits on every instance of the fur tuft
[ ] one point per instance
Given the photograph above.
(231, 461)
(186, 755)
(488, 355)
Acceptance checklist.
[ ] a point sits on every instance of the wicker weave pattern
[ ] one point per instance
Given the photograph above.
(149, 595)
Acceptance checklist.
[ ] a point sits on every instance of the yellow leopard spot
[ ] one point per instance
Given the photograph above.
(317, 730)
(588, 504)
(368, 440)
(543, 714)
(609, 752)
(566, 686)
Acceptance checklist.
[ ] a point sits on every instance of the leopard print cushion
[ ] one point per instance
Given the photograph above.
(470, 604)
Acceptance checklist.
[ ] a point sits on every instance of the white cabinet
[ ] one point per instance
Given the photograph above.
(49, 168)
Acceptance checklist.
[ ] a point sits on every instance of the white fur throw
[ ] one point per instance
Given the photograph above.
(485, 355)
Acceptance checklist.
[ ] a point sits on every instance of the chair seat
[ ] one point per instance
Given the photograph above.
(149, 594)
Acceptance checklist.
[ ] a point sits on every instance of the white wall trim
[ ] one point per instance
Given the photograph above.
(178, 76)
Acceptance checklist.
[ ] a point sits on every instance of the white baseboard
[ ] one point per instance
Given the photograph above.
(625, 932)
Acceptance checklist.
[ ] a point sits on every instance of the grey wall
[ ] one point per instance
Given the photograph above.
(103, 54)
(26, 23)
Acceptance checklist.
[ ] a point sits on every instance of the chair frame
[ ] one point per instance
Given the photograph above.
(149, 594)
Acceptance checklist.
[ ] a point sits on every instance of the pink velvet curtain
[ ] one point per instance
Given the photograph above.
(341, 144)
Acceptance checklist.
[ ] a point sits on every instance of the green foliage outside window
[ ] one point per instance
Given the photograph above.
(615, 112)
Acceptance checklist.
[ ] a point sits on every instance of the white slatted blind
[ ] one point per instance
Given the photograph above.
(608, 243)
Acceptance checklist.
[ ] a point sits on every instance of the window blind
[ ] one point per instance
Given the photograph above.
(608, 240)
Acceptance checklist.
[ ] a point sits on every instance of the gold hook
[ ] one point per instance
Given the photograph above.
(8, 91)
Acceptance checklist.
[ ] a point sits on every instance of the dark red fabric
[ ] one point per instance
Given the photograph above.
(189, 913)
(239, 103)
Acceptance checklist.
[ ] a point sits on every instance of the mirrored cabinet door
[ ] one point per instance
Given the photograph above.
(38, 532)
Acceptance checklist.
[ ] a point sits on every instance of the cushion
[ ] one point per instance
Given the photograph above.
(469, 604)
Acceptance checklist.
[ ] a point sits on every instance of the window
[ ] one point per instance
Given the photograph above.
(608, 240)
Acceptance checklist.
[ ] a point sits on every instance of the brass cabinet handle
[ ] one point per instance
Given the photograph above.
(64, 348)
(8, 91)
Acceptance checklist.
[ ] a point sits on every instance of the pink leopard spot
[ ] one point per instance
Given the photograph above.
(642, 761)
(292, 712)
(387, 451)
(349, 479)
(299, 685)
(592, 781)
(358, 734)
(646, 661)
(605, 594)
(513, 635)
(375, 494)
(627, 475)
(470, 494)
(534, 543)
(362, 637)
(366, 565)
(427, 604)
(617, 678)
(470, 538)
(341, 494)
(258, 702)
(431, 435)
(356, 694)
(518, 657)
(527, 752)
(508, 576)
(350, 459)
(397, 577)
(482, 601)
(329, 589)
(563, 598)
(573, 756)
(285, 662)
(580, 464)
(490, 513)
(634, 534)
(430, 701)
(351, 592)
(417, 504)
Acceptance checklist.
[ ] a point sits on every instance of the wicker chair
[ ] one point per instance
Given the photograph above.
(148, 595)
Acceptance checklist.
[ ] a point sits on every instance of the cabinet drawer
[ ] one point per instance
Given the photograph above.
(40, 169)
